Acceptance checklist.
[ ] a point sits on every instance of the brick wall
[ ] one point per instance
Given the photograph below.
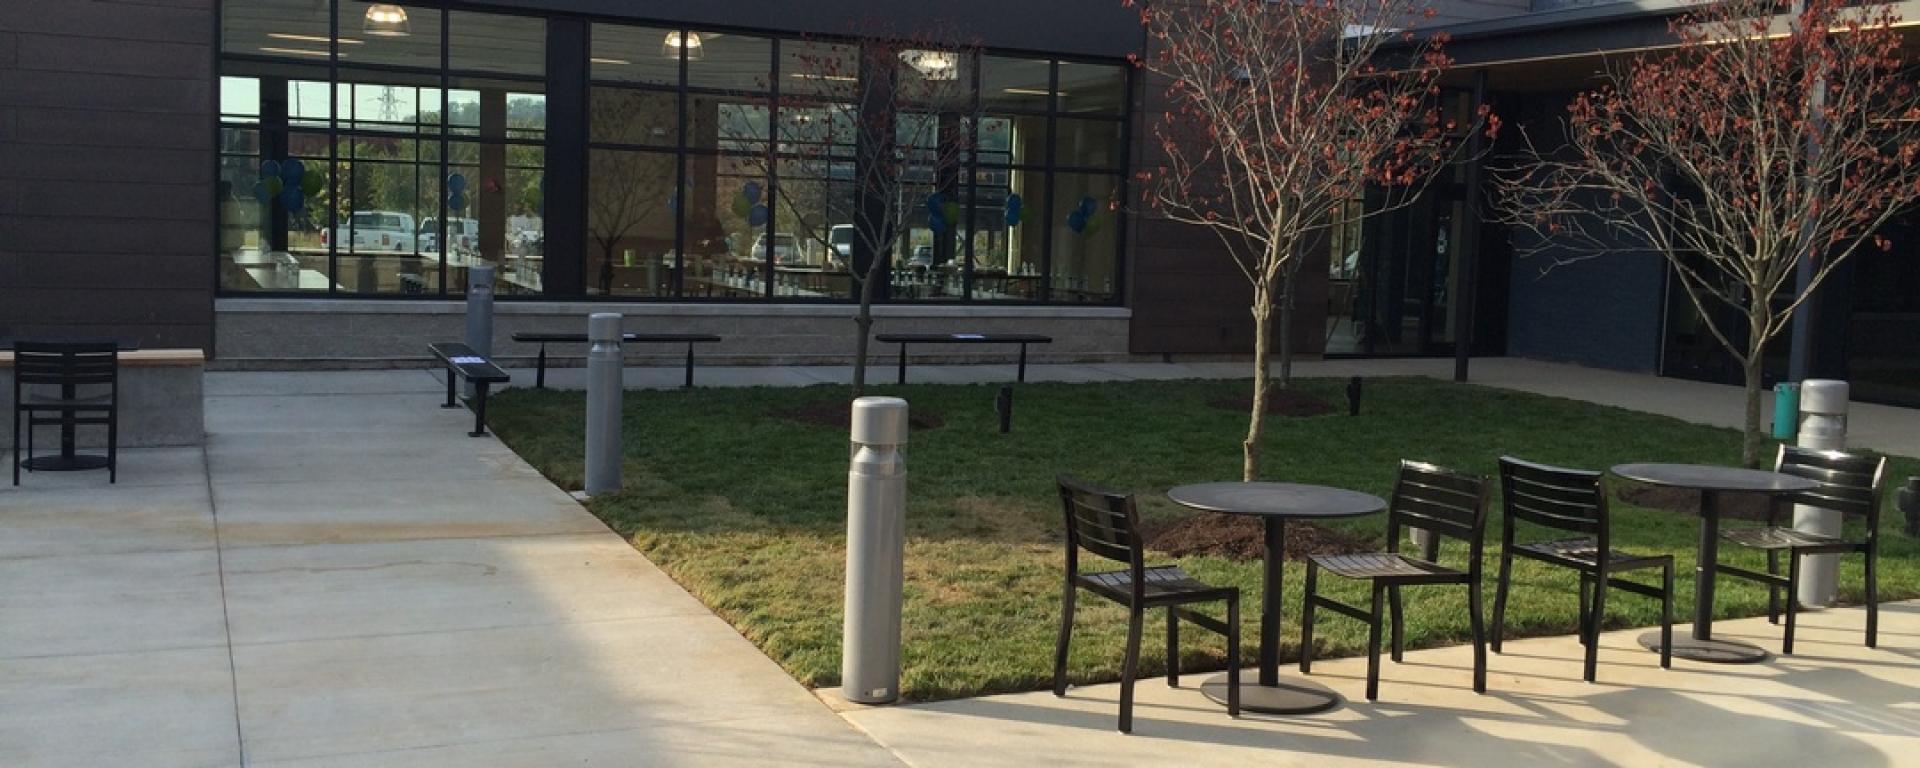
(106, 169)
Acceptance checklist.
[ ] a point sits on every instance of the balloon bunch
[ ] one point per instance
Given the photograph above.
(747, 204)
(289, 183)
(456, 192)
(1016, 211)
(942, 214)
(1085, 219)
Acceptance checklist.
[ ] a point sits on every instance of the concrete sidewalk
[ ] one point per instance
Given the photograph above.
(343, 578)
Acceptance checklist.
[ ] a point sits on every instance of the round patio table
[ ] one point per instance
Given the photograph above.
(1275, 504)
(1710, 481)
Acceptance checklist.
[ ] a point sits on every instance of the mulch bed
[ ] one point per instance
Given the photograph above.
(1280, 402)
(839, 414)
(1242, 538)
(1686, 501)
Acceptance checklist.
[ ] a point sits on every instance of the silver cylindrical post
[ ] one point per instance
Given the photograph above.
(605, 380)
(479, 313)
(876, 546)
(1823, 427)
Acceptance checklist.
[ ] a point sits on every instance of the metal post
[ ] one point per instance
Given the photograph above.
(605, 379)
(1823, 427)
(479, 314)
(1003, 405)
(876, 546)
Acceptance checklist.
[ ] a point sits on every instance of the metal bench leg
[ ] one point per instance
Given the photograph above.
(903, 363)
(1022, 378)
(689, 384)
(540, 368)
(479, 409)
(453, 378)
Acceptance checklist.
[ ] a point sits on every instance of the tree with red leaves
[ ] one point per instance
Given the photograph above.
(1760, 142)
(1277, 115)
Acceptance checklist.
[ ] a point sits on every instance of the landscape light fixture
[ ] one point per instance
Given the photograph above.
(386, 20)
(677, 40)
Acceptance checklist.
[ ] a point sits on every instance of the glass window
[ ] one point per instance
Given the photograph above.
(412, 39)
(1019, 140)
(637, 55)
(1098, 89)
(725, 62)
(487, 42)
(1087, 143)
(1085, 212)
(631, 206)
(627, 116)
(726, 217)
(728, 122)
(819, 69)
(1008, 233)
(290, 29)
(1015, 84)
(816, 208)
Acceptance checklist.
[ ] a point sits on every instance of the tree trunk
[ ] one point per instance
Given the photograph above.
(1286, 329)
(1756, 358)
(863, 320)
(1262, 353)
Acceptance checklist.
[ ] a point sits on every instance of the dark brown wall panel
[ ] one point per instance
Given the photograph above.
(106, 168)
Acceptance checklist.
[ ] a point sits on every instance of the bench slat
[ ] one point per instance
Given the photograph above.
(625, 338)
(963, 338)
(482, 371)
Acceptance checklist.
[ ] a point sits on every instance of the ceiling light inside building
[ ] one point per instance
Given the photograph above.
(312, 38)
(677, 40)
(933, 65)
(386, 20)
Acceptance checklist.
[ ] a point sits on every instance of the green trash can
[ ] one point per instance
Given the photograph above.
(1786, 410)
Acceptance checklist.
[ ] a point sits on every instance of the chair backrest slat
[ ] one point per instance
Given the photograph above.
(1440, 500)
(1554, 497)
(65, 363)
(1851, 484)
(1103, 522)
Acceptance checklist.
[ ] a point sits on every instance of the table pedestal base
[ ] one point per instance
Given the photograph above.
(1711, 651)
(1293, 696)
(58, 463)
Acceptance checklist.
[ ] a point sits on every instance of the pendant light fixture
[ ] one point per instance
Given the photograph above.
(386, 20)
(677, 40)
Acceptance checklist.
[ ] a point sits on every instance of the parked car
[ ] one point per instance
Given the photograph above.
(841, 237)
(374, 231)
(464, 234)
(922, 257)
(786, 249)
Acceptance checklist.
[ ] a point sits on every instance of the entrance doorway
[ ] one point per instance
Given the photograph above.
(1392, 293)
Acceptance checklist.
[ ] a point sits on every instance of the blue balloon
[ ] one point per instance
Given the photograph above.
(457, 184)
(1013, 210)
(292, 199)
(457, 201)
(1086, 206)
(261, 193)
(270, 168)
(757, 216)
(752, 191)
(1077, 222)
(291, 171)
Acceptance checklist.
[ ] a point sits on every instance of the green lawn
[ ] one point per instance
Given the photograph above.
(747, 510)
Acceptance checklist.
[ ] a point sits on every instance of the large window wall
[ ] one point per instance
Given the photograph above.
(366, 155)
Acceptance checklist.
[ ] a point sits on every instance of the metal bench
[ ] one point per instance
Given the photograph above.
(1022, 339)
(464, 363)
(543, 339)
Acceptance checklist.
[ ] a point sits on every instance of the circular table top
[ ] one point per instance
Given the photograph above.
(1708, 477)
(1276, 500)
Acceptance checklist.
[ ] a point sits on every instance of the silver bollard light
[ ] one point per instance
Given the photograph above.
(605, 381)
(876, 546)
(1823, 427)
(479, 313)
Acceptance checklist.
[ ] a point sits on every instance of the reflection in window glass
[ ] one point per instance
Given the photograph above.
(637, 55)
(819, 69)
(725, 61)
(625, 116)
(289, 29)
(1086, 230)
(815, 210)
(488, 42)
(1008, 234)
(1087, 143)
(726, 216)
(1015, 84)
(630, 217)
(501, 200)
(418, 47)
(727, 122)
(1092, 89)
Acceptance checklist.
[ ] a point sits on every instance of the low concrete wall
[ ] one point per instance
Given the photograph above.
(281, 334)
(160, 403)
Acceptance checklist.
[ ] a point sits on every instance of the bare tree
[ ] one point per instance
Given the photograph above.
(629, 189)
(1278, 114)
(1760, 146)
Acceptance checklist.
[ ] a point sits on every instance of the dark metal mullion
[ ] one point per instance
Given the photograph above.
(446, 125)
(1118, 297)
(1047, 177)
(973, 182)
(333, 148)
(773, 170)
(680, 180)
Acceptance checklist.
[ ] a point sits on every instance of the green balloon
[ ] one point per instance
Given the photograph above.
(274, 185)
(951, 212)
(312, 183)
(741, 205)
(1093, 225)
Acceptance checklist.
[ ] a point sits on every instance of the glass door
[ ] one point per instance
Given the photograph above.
(1403, 286)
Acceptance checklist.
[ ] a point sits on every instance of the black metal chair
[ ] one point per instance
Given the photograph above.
(1572, 501)
(1107, 525)
(1442, 501)
(1849, 484)
(68, 366)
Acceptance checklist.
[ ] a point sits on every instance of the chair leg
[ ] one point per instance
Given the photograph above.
(1594, 622)
(1500, 597)
(1173, 647)
(113, 448)
(1066, 634)
(1233, 656)
(1312, 590)
(1373, 644)
(1478, 625)
(1666, 616)
(16, 446)
(1586, 600)
(1136, 616)
(1793, 600)
(1773, 591)
(1399, 623)
(1873, 593)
